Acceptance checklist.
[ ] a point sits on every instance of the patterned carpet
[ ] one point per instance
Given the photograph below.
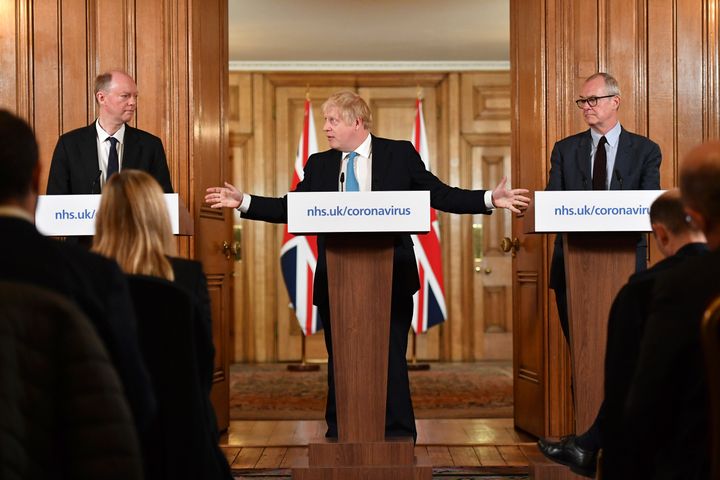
(447, 390)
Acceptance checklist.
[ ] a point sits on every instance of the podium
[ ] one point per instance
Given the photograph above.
(600, 231)
(74, 215)
(359, 251)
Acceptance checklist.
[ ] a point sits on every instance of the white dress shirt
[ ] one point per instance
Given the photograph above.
(103, 147)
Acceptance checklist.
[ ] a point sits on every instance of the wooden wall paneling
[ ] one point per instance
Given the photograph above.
(46, 68)
(443, 172)
(16, 93)
(240, 121)
(711, 64)
(662, 75)
(454, 281)
(623, 40)
(114, 35)
(691, 128)
(77, 104)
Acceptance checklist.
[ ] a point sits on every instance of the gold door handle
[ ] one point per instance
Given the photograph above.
(233, 249)
(508, 245)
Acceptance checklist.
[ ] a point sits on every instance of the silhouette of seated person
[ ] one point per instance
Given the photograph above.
(711, 348)
(64, 413)
(173, 307)
(666, 413)
(677, 241)
(94, 283)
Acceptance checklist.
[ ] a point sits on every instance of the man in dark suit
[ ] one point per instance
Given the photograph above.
(359, 161)
(84, 158)
(666, 416)
(604, 157)
(94, 283)
(678, 241)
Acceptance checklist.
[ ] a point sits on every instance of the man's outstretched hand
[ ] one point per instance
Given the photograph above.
(513, 200)
(227, 196)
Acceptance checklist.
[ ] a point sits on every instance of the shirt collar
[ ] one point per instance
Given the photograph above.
(15, 212)
(612, 136)
(364, 149)
(103, 135)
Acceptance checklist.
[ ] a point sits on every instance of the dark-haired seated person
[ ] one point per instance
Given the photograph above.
(94, 283)
(133, 227)
(678, 241)
(667, 413)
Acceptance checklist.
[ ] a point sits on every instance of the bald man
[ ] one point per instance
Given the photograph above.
(666, 413)
(85, 157)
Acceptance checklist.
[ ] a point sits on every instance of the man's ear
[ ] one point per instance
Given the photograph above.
(696, 219)
(660, 232)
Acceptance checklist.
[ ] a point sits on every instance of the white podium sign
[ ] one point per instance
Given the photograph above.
(594, 210)
(329, 212)
(73, 215)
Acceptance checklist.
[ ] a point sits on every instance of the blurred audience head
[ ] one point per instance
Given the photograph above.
(19, 167)
(670, 223)
(132, 225)
(700, 189)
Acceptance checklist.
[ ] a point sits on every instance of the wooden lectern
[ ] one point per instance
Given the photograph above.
(599, 246)
(360, 284)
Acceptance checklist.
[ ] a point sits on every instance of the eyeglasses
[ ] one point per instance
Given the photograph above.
(591, 101)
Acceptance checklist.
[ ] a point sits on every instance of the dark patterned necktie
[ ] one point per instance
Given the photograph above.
(113, 163)
(599, 178)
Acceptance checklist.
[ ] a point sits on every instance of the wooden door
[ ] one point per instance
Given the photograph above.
(529, 286)
(485, 133)
(210, 165)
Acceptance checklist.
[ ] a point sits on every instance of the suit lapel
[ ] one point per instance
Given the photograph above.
(623, 157)
(582, 158)
(131, 149)
(89, 166)
(332, 166)
(380, 163)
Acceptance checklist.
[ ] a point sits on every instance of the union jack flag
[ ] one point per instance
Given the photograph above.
(298, 254)
(429, 301)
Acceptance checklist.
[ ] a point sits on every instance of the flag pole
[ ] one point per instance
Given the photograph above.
(414, 365)
(303, 366)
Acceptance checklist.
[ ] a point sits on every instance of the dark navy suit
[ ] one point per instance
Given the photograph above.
(74, 167)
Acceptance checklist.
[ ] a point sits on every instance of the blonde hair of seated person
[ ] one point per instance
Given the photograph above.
(132, 225)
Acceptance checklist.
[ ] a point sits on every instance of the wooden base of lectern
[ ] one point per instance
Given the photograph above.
(393, 459)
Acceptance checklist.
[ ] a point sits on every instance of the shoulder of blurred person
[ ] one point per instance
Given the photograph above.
(95, 284)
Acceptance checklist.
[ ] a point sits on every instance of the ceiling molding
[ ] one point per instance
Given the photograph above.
(420, 66)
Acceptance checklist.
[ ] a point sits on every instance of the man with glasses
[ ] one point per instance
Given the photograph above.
(605, 157)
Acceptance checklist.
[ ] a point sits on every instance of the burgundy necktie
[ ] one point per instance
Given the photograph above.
(599, 177)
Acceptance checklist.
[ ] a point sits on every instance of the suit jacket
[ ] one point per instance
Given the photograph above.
(396, 165)
(190, 277)
(74, 168)
(626, 324)
(637, 167)
(96, 285)
(666, 413)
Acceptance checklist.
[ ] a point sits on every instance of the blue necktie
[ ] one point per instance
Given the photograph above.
(113, 163)
(351, 184)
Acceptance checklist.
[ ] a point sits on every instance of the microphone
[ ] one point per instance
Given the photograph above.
(342, 181)
(96, 182)
(619, 179)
